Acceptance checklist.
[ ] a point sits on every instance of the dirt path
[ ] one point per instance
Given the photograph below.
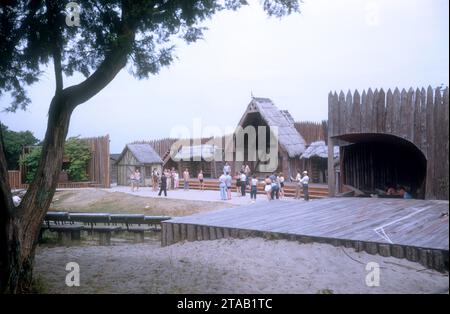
(97, 200)
(230, 266)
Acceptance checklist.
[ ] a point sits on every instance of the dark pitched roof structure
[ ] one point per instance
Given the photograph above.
(288, 137)
(144, 153)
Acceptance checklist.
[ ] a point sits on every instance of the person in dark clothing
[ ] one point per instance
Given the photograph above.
(163, 186)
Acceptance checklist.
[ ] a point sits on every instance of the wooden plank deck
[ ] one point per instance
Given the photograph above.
(415, 229)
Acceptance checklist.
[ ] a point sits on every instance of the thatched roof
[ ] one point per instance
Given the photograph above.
(319, 149)
(288, 137)
(203, 151)
(144, 153)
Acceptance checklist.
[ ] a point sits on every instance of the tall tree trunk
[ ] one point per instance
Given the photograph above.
(21, 225)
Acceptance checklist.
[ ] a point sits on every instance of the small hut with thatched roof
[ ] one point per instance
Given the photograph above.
(315, 161)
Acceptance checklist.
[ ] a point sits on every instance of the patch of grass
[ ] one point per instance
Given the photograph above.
(39, 286)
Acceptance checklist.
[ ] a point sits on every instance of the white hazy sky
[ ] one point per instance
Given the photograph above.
(295, 61)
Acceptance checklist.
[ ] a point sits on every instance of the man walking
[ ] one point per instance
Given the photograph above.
(163, 186)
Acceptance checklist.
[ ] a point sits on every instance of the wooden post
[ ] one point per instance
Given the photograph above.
(219, 233)
(139, 237)
(176, 233)
(169, 233)
(191, 235)
(76, 235)
(104, 238)
(398, 251)
(183, 232)
(163, 234)
(212, 233)
(199, 233)
(331, 173)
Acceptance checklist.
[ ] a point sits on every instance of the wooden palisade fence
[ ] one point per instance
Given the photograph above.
(97, 169)
(419, 116)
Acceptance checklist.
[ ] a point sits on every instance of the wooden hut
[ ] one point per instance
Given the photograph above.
(113, 167)
(137, 156)
(398, 137)
(315, 161)
(263, 112)
(196, 158)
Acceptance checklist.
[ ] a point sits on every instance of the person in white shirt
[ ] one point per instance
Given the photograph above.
(223, 187)
(243, 180)
(228, 181)
(305, 181)
(254, 188)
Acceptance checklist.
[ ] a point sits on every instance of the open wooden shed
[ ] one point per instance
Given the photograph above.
(398, 137)
(137, 156)
(315, 161)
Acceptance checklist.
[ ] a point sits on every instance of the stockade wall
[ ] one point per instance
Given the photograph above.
(161, 146)
(98, 168)
(312, 131)
(15, 182)
(419, 116)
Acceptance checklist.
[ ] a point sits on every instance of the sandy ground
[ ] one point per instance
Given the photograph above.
(230, 266)
(112, 201)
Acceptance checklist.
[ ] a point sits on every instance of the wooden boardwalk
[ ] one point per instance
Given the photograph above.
(413, 229)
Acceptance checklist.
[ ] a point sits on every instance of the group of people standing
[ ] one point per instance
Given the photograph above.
(273, 184)
(169, 179)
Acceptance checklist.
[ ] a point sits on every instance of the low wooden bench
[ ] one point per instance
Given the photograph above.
(66, 232)
(57, 218)
(69, 225)
(59, 222)
(91, 220)
(133, 223)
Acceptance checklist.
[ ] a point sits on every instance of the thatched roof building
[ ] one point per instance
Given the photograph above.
(262, 111)
(320, 150)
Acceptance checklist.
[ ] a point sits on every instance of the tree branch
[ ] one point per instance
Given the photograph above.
(58, 69)
(52, 12)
